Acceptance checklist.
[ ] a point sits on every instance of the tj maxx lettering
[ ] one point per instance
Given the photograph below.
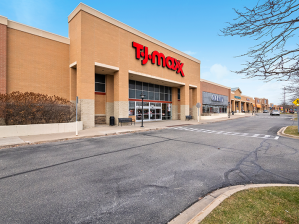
(169, 62)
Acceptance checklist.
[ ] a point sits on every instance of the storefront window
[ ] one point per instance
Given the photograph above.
(100, 83)
(131, 108)
(214, 109)
(151, 91)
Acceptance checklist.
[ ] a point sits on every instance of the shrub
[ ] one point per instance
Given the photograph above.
(34, 108)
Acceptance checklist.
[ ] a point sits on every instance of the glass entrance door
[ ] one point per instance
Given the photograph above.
(139, 111)
(155, 111)
(151, 111)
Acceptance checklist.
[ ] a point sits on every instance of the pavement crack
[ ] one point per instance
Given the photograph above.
(252, 158)
(240, 151)
(78, 159)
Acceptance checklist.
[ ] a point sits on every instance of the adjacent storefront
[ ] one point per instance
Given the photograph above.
(214, 103)
(215, 98)
(241, 103)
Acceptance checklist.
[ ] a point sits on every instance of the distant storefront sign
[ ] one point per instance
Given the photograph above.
(238, 97)
(247, 99)
(217, 98)
(214, 99)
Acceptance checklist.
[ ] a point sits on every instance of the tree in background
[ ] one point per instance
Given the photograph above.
(293, 89)
(273, 23)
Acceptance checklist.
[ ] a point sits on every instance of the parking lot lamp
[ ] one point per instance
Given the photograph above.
(142, 97)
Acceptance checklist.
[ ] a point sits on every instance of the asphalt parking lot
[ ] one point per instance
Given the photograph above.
(146, 177)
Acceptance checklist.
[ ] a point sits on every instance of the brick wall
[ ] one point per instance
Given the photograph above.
(3, 58)
(37, 64)
(211, 88)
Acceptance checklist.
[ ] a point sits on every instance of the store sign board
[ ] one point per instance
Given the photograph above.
(238, 97)
(217, 98)
(247, 99)
(169, 62)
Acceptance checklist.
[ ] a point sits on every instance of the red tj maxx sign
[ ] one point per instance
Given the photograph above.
(169, 62)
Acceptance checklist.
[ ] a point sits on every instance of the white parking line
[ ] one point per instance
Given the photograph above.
(228, 133)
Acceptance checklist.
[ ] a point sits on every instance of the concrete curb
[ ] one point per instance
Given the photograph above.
(207, 204)
(281, 133)
(103, 135)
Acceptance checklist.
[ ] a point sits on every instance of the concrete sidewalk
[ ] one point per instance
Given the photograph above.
(103, 130)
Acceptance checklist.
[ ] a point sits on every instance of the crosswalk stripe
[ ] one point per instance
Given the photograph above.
(227, 133)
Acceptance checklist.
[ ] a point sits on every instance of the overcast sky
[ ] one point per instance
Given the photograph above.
(190, 26)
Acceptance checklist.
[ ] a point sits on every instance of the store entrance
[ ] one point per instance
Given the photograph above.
(151, 111)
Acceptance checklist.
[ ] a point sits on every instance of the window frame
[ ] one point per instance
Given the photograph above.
(99, 83)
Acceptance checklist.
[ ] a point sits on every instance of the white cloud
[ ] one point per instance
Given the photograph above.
(190, 52)
(219, 70)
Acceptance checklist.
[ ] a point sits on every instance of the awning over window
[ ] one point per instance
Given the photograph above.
(258, 105)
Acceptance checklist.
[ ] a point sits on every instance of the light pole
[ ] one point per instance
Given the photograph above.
(228, 109)
(142, 97)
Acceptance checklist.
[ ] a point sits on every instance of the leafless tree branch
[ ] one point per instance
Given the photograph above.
(273, 23)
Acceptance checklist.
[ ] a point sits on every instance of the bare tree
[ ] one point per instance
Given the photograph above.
(293, 88)
(272, 23)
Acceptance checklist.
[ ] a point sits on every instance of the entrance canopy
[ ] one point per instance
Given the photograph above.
(137, 76)
(105, 69)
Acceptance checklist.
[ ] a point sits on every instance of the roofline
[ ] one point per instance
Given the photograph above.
(100, 15)
(203, 80)
(237, 89)
(32, 30)
(246, 96)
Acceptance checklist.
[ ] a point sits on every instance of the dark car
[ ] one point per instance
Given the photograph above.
(291, 111)
(265, 111)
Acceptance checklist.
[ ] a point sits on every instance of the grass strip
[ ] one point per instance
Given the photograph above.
(292, 130)
(258, 205)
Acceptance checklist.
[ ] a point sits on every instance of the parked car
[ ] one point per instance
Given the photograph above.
(291, 111)
(275, 112)
(265, 111)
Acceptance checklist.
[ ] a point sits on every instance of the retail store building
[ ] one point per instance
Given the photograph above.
(241, 103)
(214, 97)
(261, 104)
(104, 62)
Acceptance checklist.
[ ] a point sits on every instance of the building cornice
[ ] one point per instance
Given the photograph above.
(216, 84)
(100, 15)
(247, 96)
(3, 20)
(37, 32)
